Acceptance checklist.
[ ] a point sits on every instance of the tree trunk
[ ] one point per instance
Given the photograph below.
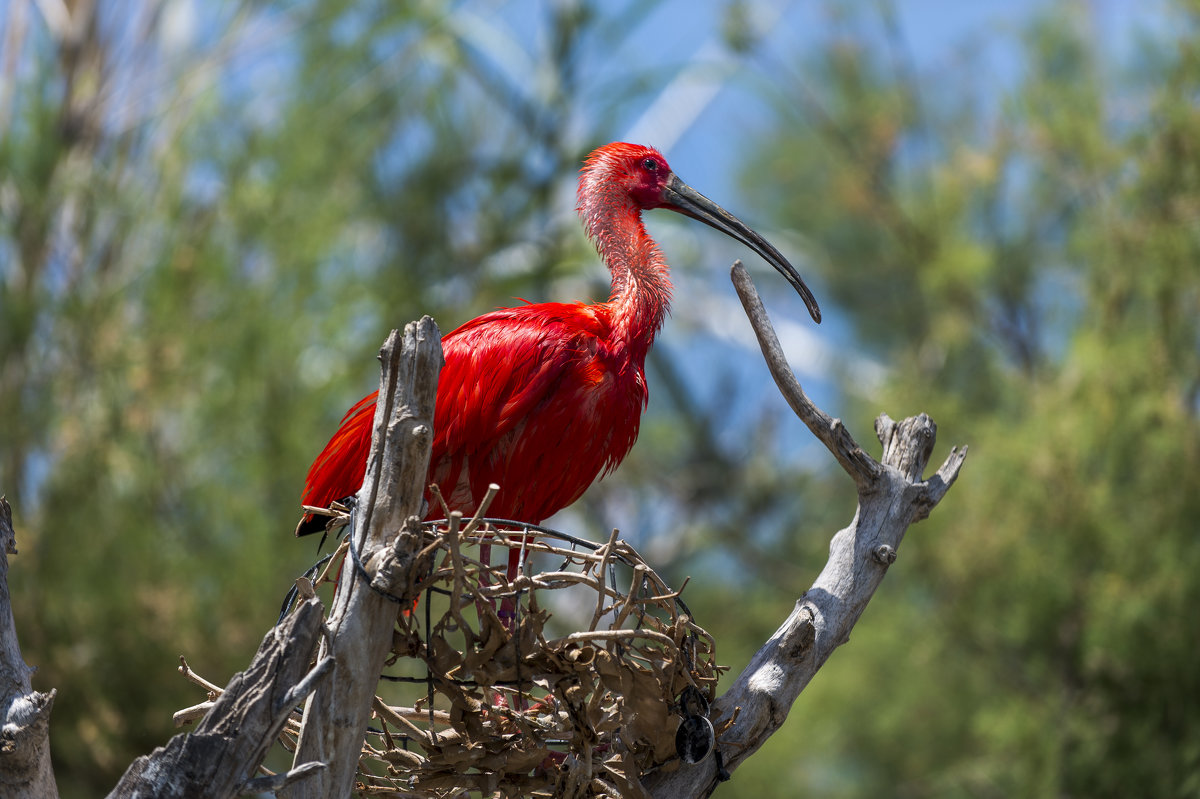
(219, 758)
(376, 578)
(25, 736)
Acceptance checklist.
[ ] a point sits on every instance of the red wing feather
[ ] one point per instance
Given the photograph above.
(338, 471)
(530, 398)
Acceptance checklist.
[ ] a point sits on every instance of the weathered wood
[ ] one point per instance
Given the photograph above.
(891, 496)
(219, 759)
(25, 768)
(364, 609)
(221, 756)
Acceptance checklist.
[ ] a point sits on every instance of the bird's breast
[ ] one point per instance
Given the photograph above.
(572, 417)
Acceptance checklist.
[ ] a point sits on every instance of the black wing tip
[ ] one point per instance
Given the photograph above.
(309, 524)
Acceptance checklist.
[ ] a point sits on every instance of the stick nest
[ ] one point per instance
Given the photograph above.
(574, 678)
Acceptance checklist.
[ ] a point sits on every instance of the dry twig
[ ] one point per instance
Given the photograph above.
(219, 758)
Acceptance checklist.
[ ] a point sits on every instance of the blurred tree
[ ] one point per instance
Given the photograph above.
(1040, 634)
(211, 215)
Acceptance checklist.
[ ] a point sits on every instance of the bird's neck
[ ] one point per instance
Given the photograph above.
(641, 283)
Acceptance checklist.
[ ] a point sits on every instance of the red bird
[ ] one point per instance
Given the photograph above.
(544, 399)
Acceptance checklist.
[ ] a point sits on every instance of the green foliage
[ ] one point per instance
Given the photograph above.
(196, 271)
(1037, 636)
(204, 243)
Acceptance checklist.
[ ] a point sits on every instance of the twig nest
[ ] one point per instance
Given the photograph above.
(537, 664)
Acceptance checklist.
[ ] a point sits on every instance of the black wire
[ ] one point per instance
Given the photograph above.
(289, 600)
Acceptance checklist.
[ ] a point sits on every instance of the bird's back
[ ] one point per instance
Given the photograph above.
(540, 399)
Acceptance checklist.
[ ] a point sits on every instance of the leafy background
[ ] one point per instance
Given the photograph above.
(210, 216)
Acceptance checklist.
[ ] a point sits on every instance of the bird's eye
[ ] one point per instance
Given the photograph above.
(650, 164)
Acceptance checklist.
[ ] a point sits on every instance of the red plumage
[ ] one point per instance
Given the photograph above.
(544, 399)
(538, 397)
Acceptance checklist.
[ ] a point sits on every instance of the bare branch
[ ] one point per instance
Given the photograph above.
(308, 684)
(193, 677)
(25, 768)
(829, 431)
(385, 545)
(190, 714)
(891, 496)
(277, 782)
(229, 744)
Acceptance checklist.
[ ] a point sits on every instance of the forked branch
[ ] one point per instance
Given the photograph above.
(219, 758)
(891, 496)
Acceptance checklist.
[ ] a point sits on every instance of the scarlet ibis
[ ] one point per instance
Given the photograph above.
(545, 398)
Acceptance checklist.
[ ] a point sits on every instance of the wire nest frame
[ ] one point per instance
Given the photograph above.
(571, 679)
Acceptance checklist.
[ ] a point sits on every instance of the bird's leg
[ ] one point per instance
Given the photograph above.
(482, 605)
(485, 558)
(508, 609)
(508, 605)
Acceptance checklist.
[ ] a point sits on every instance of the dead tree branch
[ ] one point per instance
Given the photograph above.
(221, 756)
(891, 496)
(219, 759)
(376, 579)
(25, 713)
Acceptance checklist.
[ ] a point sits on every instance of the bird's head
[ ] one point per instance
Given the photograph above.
(641, 175)
(638, 172)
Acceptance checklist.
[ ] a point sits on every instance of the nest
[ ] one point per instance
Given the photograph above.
(580, 674)
(575, 678)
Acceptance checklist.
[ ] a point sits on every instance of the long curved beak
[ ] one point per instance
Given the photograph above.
(682, 198)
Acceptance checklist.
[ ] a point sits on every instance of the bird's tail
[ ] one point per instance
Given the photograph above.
(339, 470)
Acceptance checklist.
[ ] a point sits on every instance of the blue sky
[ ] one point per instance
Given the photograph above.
(711, 104)
(709, 107)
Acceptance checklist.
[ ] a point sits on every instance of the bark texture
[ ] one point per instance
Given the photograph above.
(377, 576)
(220, 757)
(25, 768)
(891, 496)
